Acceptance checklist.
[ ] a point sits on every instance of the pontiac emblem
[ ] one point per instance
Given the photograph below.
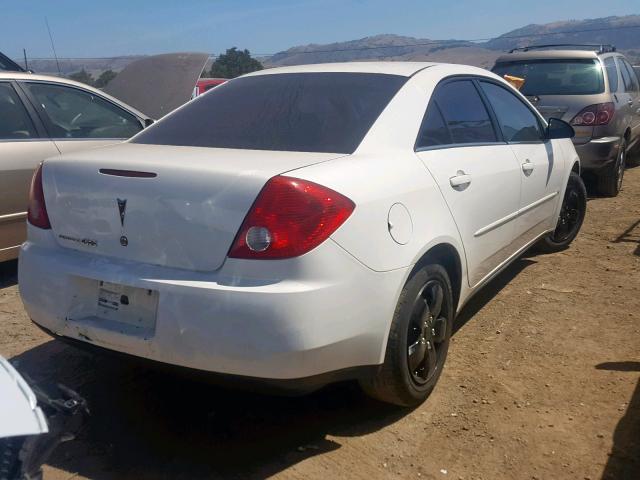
(122, 208)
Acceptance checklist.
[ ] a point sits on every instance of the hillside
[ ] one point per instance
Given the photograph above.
(621, 32)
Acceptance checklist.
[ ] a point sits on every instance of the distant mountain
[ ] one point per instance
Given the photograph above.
(95, 66)
(619, 31)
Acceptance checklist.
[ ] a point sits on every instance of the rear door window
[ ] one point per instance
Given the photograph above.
(76, 113)
(463, 113)
(626, 78)
(517, 122)
(612, 73)
(632, 76)
(15, 122)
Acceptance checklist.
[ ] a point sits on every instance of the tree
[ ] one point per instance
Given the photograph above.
(234, 63)
(82, 76)
(104, 78)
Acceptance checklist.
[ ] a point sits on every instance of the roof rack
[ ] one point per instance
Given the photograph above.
(600, 48)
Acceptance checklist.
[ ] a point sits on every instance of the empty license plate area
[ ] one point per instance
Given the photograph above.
(132, 306)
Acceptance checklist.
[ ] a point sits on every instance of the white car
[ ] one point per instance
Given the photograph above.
(302, 225)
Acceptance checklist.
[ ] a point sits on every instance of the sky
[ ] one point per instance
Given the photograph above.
(84, 28)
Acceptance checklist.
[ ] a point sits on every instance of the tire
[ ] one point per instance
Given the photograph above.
(419, 326)
(610, 182)
(572, 212)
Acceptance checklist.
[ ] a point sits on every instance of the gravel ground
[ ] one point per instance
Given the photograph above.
(542, 382)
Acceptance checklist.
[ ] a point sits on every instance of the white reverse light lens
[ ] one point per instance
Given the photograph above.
(258, 239)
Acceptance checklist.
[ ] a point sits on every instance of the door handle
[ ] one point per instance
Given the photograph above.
(461, 179)
(527, 167)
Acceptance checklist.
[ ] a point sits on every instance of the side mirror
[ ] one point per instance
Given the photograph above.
(559, 129)
(148, 122)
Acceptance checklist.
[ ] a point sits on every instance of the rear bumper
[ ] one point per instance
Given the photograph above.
(598, 153)
(322, 312)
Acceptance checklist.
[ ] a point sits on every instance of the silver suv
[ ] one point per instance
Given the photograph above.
(595, 89)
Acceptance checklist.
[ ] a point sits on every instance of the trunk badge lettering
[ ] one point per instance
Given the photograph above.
(122, 208)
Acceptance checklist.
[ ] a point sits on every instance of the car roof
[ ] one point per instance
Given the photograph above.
(405, 69)
(547, 55)
(65, 81)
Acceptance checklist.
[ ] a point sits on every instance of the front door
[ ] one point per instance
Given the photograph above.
(540, 162)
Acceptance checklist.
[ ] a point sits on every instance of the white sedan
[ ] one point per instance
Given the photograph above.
(302, 225)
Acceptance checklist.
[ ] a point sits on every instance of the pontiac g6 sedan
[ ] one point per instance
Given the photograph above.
(302, 225)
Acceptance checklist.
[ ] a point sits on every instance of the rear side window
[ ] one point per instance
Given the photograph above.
(612, 73)
(555, 77)
(632, 75)
(300, 112)
(517, 122)
(15, 123)
(626, 78)
(464, 115)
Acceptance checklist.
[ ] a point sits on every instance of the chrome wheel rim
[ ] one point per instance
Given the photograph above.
(621, 165)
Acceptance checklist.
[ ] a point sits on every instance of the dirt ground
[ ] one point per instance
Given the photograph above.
(542, 382)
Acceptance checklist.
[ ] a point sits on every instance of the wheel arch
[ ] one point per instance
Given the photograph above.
(447, 255)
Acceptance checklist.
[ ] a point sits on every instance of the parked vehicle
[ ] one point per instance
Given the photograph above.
(42, 116)
(205, 84)
(6, 64)
(596, 91)
(33, 422)
(302, 225)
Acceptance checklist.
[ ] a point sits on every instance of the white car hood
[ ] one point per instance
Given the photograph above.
(19, 411)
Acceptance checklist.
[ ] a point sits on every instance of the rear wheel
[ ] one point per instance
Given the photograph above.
(572, 212)
(610, 181)
(418, 340)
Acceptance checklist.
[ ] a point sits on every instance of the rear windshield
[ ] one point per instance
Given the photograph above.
(556, 77)
(300, 112)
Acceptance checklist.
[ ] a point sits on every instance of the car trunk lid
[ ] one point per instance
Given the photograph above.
(171, 206)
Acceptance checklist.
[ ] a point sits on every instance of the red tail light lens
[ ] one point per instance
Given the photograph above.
(37, 215)
(593, 115)
(289, 218)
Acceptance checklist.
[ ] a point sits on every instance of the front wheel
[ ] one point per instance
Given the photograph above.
(418, 340)
(572, 212)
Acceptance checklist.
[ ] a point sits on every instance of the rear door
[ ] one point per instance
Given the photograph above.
(476, 172)
(78, 119)
(23, 145)
(541, 164)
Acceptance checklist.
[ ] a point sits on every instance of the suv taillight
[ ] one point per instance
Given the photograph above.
(37, 215)
(593, 115)
(289, 218)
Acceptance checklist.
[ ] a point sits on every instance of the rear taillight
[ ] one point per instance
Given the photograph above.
(289, 218)
(37, 215)
(593, 115)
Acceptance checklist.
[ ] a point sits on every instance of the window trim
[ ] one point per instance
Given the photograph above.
(496, 127)
(541, 126)
(44, 118)
(40, 132)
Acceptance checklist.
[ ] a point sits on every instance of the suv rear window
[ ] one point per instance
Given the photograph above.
(556, 77)
(301, 112)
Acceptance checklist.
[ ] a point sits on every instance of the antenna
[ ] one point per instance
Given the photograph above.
(52, 45)
(26, 64)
